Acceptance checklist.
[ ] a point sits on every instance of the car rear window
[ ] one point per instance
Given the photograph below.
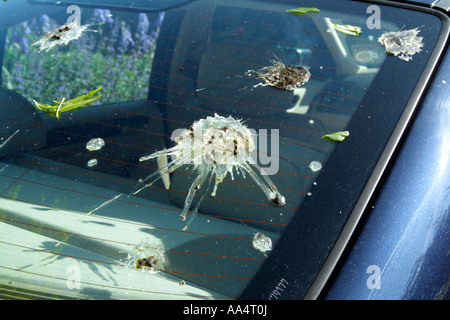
(83, 215)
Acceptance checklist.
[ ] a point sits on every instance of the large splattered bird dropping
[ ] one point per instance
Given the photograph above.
(214, 147)
(283, 77)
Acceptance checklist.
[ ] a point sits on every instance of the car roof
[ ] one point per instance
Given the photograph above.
(442, 4)
(428, 2)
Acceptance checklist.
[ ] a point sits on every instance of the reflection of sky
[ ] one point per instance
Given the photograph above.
(419, 211)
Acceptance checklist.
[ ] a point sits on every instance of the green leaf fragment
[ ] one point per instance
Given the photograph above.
(64, 106)
(301, 11)
(337, 136)
(348, 29)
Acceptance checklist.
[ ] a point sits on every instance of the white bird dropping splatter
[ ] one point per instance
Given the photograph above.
(262, 242)
(92, 163)
(214, 146)
(95, 144)
(403, 43)
(315, 166)
(62, 36)
(280, 76)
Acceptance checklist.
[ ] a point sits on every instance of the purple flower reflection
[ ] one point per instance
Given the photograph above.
(103, 15)
(143, 24)
(158, 22)
(126, 39)
(44, 20)
(24, 44)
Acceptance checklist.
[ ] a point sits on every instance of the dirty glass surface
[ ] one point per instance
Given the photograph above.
(77, 216)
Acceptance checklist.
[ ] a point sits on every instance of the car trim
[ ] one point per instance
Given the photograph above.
(442, 4)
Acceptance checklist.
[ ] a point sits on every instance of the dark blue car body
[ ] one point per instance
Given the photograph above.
(404, 241)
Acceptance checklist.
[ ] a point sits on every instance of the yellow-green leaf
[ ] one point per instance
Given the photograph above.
(348, 29)
(301, 11)
(64, 106)
(337, 136)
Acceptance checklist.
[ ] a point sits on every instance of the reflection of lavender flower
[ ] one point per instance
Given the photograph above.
(126, 39)
(20, 82)
(143, 24)
(15, 36)
(26, 29)
(146, 43)
(62, 87)
(20, 37)
(103, 15)
(118, 54)
(24, 44)
(44, 20)
(158, 22)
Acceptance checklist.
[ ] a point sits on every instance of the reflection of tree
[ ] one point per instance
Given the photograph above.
(102, 269)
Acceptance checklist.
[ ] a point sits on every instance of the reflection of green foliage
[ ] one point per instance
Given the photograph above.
(81, 65)
(14, 192)
(88, 208)
(59, 203)
(44, 196)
